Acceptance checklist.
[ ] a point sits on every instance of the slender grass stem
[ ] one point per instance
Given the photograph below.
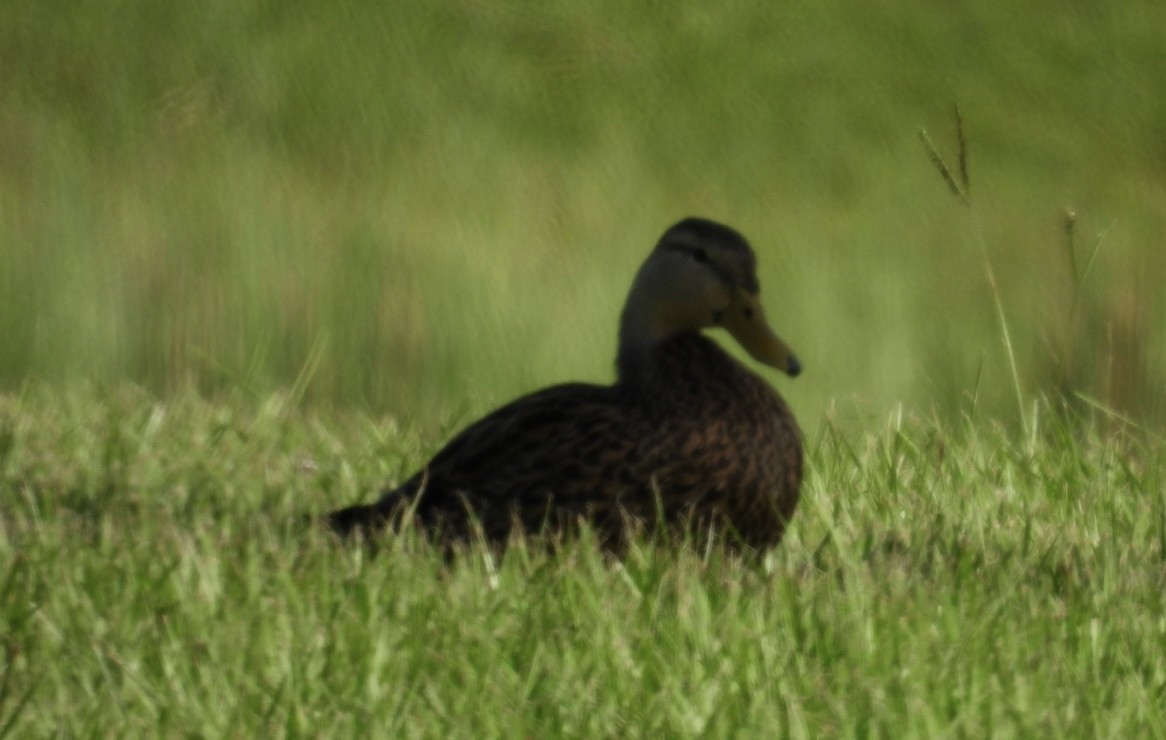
(961, 190)
(1001, 315)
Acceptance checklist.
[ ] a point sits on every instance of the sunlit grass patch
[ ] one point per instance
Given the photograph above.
(938, 578)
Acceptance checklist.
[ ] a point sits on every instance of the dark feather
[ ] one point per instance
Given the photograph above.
(687, 431)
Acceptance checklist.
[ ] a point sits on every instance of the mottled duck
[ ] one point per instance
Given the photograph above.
(686, 432)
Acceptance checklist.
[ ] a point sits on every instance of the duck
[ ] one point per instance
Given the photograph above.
(687, 437)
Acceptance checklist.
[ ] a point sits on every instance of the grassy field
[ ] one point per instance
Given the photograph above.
(423, 207)
(257, 259)
(938, 581)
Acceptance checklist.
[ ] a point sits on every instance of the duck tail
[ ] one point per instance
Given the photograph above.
(368, 518)
(359, 519)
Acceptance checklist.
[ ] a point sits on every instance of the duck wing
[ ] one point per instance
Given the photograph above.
(563, 451)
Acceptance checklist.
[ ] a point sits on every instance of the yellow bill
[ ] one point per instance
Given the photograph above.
(745, 320)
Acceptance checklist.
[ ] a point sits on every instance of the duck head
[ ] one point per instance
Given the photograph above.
(702, 275)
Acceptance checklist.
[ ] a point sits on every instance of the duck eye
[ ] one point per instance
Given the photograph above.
(748, 312)
(717, 316)
(700, 255)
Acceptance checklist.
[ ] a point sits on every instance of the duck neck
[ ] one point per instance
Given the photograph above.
(639, 337)
(649, 365)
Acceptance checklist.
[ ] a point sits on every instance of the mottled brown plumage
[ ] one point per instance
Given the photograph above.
(686, 431)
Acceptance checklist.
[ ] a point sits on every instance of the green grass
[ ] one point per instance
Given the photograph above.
(938, 580)
(429, 204)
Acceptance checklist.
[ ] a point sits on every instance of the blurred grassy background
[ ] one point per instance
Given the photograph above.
(425, 207)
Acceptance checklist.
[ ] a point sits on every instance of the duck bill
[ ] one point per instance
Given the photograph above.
(745, 320)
